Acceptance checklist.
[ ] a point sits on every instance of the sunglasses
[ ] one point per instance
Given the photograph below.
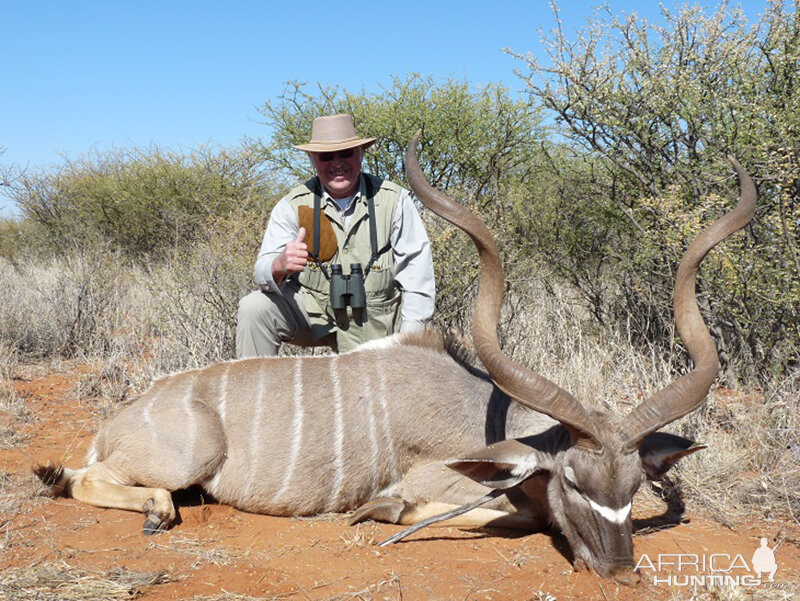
(342, 154)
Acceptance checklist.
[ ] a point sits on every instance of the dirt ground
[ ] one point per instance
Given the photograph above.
(219, 552)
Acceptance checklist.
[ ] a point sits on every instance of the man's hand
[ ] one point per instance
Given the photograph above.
(293, 259)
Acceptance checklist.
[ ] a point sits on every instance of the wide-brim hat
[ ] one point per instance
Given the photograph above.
(336, 132)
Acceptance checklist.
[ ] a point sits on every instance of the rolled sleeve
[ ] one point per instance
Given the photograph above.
(281, 229)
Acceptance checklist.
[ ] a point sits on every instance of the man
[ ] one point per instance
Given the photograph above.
(342, 218)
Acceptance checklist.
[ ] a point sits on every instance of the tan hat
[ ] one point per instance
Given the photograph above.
(337, 132)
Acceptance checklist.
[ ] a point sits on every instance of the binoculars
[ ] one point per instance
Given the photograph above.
(348, 290)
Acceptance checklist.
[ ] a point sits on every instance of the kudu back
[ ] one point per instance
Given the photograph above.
(401, 428)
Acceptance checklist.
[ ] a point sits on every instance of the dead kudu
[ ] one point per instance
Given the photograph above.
(377, 429)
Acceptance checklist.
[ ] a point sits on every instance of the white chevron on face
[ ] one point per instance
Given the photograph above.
(615, 516)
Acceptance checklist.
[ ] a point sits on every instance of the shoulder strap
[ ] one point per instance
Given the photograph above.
(373, 228)
(317, 210)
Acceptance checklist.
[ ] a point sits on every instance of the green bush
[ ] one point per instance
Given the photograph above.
(14, 237)
(649, 113)
(142, 202)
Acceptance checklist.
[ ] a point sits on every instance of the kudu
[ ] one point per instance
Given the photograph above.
(374, 429)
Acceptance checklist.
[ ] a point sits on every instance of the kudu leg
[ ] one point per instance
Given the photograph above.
(476, 518)
(382, 509)
(95, 486)
(407, 502)
(396, 511)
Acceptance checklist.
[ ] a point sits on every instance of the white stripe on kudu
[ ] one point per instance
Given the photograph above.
(615, 516)
(148, 419)
(297, 430)
(191, 427)
(221, 407)
(338, 433)
(255, 433)
(223, 395)
(387, 428)
(373, 434)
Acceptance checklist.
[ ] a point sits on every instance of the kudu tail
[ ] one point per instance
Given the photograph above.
(55, 478)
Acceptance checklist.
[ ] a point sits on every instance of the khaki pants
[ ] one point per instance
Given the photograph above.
(266, 320)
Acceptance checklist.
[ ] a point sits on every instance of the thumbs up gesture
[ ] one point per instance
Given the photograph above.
(293, 259)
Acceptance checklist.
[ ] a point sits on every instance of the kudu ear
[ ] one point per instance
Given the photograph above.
(501, 465)
(660, 451)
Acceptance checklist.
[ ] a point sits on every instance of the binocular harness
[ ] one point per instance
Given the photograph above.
(347, 290)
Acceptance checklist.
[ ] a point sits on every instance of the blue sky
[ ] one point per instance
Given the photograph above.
(78, 76)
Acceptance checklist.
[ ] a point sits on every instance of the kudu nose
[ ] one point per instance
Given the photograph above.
(627, 577)
(622, 574)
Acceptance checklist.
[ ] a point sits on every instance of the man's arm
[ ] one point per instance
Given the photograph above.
(413, 264)
(283, 249)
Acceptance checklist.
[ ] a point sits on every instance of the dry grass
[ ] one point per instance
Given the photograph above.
(17, 488)
(360, 537)
(229, 597)
(553, 334)
(15, 415)
(20, 493)
(391, 588)
(62, 582)
(733, 593)
(752, 465)
(519, 557)
(203, 551)
(113, 379)
(63, 307)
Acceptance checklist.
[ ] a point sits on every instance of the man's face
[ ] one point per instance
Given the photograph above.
(338, 171)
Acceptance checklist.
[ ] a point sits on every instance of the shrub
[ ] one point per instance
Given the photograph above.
(142, 202)
(650, 112)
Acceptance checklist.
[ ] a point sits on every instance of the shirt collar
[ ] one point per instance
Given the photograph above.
(360, 193)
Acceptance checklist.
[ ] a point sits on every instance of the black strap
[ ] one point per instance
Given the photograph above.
(315, 247)
(373, 228)
(373, 234)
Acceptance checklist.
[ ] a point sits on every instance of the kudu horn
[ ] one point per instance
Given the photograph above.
(525, 386)
(687, 392)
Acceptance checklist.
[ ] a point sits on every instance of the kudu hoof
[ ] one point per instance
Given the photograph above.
(154, 524)
(155, 521)
(383, 509)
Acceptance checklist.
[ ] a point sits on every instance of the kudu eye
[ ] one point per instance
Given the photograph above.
(569, 477)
